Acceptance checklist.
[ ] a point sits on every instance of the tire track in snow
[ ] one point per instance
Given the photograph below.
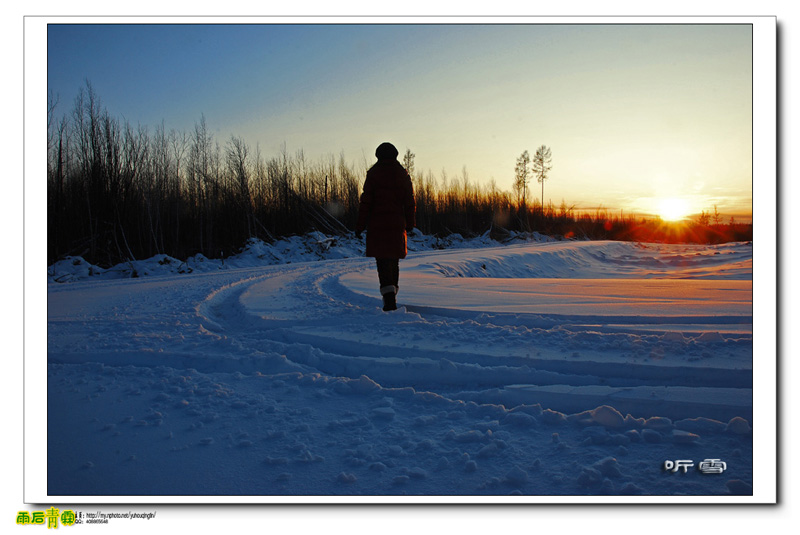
(309, 318)
(463, 417)
(306, 314)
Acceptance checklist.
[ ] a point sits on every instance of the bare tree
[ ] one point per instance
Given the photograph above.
(238, 167)
(542, 165)
(408, 162)
(521, 177)
(350, 191)
(200, 177)
(465, 200)
(52, 102)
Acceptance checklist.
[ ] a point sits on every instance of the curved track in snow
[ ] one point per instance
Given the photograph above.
(661, 346)
(519, 369)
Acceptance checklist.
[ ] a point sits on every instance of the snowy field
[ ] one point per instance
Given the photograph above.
(523, 371)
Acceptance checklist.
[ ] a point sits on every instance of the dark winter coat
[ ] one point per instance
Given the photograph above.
(387, 210)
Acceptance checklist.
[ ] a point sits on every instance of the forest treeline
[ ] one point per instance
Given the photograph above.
(118, 192)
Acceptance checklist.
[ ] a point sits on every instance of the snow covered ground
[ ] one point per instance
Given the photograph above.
(525, 371)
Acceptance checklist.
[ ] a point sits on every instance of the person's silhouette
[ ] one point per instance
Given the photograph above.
(387, 212)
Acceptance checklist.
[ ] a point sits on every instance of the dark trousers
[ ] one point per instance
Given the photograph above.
(388, 274)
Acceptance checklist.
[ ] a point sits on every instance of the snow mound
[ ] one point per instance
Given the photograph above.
(310, 247)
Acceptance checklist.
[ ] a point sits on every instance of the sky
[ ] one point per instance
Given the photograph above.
(640, 118)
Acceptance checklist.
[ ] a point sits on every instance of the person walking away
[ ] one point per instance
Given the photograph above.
(387, 211)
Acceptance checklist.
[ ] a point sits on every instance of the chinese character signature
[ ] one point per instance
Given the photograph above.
(707, 466)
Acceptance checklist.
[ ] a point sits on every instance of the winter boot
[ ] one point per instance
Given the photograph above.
(389, 298)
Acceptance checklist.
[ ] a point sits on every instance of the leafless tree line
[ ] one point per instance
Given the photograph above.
(118, 191)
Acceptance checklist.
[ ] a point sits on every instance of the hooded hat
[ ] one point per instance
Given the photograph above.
(386, 151)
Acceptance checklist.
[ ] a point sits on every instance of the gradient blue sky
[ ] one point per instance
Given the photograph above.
(634, 114)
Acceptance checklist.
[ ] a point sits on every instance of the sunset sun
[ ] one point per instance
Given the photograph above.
(673, 209)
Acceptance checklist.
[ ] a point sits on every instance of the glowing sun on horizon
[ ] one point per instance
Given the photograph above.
(673, 209)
